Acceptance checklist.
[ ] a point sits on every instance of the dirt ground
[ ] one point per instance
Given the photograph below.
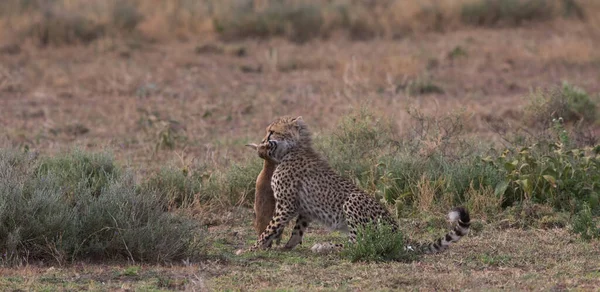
(153, 104)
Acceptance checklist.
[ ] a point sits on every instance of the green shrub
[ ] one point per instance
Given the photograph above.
(80, 206)
(378, 243)
(457, 52)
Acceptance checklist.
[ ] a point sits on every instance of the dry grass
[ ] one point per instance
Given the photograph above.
(426, 194)
(483, 203)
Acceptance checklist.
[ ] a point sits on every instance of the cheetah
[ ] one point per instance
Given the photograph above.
(306, 187)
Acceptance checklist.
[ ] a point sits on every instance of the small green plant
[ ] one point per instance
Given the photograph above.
(457, 52)
(494, 260)
(131, 271)
(378, 243)
(585, 225)
(561, 132)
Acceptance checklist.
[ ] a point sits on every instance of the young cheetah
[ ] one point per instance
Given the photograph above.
(306, 187)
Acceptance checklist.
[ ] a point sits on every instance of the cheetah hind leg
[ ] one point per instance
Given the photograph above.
(298, 232)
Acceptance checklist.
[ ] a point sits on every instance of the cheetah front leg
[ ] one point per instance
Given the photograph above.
(283, 214)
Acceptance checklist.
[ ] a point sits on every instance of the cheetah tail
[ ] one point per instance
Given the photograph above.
(460, 215)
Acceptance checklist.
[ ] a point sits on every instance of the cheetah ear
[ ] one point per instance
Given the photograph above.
(299, 121)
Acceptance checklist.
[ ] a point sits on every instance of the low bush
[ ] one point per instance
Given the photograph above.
(81, 206)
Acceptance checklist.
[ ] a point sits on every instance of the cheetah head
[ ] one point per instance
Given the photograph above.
(287, 129)
(290, 129)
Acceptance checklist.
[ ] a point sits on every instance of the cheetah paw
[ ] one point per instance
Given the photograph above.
(324, 247)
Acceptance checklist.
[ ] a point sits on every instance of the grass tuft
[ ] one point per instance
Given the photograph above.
(586, 225)
(378, 243)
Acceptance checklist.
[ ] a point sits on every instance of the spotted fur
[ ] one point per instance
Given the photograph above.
(305, 187)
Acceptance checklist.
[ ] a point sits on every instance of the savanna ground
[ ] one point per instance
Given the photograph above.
(404, 98)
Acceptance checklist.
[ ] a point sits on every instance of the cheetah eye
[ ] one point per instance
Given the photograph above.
(269, 137)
